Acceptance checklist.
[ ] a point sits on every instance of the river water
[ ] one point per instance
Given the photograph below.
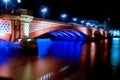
(66, 60)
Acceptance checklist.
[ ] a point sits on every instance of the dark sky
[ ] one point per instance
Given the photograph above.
(91, 9)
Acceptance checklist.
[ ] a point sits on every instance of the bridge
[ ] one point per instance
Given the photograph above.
(25, 26)
(64, 30)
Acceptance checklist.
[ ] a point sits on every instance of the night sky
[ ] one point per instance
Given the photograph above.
(83, 9)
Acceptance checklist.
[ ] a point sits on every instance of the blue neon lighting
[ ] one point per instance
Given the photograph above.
(69, 35)
(43, 46)
(65, 50)
(9, 49)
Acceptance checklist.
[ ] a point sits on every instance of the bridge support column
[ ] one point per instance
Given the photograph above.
(105, 34)
(93, 33)
(25, 22)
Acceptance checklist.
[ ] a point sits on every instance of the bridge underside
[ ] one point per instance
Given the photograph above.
(66, 35)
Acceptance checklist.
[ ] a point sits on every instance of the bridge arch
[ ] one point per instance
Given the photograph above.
(68, 34)
(46, 30)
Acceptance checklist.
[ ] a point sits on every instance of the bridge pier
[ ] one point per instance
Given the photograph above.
(93, 33)
(25, 22)
(89, 32)
(105, 34)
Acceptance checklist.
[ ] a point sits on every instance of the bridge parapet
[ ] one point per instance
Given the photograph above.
(5, 29)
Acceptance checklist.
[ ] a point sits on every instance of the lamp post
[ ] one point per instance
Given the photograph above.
(63, 16)
(44, 11)
(6, 2)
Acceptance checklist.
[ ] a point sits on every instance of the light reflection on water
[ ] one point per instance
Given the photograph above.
(93, 57)
(92, 54)
(115, 54)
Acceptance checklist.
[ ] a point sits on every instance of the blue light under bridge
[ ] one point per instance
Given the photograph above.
(44, 41)
(66, 34)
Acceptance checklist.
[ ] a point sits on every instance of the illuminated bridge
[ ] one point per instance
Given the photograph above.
(115, 33)
(25, 26)
(64, 31)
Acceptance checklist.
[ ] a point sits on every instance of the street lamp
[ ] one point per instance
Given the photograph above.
(87, 23)
(74, 19)
(6, 1)
(82, 21)
(19, 1)
(63, 16)
(44, 11)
